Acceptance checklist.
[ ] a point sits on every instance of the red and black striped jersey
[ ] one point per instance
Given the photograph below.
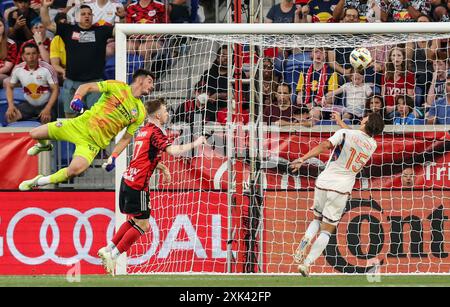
(155, 12)
(148, 146)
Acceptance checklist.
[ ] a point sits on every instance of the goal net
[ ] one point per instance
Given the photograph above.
(264, 95)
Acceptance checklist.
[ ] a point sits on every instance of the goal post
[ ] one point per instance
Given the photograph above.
(233, 205)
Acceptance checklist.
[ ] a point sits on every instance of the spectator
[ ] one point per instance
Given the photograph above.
(195, 109)
(356, 93)
(375, 104)
(316, 83)
(283, 112)
(419, 56)
(179, 12)
(216, 79)
(86, 53)
(321, 10)
(146, 11)
(437, 88)
(439, 112)
(361, 6)
(440, 14)
(403, 10)
(270, 82)
(339, 58)
(58, 50)
(397, 80)
(40, 39)
(8, 53)
(404, 114)
(19, 21)
(40, 86)
(105, 12)
(283, 12)
(424, 18)
(408, 177)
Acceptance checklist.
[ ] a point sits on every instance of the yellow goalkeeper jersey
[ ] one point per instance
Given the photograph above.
(116, 109)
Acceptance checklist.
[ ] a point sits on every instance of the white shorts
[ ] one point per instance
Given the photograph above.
(329, 205)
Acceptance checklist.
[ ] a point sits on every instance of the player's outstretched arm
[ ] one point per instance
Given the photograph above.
(322, 147)
(337, 117)
(179, 149)
(120, 146)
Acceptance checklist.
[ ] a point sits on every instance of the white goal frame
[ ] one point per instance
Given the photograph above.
(124, 30)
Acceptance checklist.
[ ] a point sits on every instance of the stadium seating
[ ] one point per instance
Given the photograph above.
(18, 97)
(5, 4)
(25, 123)
(134, 61)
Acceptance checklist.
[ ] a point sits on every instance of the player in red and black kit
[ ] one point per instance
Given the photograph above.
(149, 144)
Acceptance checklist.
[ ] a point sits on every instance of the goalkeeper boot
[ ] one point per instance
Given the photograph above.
(37, 148)
(29, 184)
(304, 270)
(300, 253)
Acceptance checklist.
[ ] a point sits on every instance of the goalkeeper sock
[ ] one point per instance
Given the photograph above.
(318, 247)
(312, 230)
(59, 176)
(42, 143)
(121, 232)
(128, 239)
(110, 246)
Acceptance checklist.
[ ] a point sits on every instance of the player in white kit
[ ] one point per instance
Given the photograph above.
(352, 150)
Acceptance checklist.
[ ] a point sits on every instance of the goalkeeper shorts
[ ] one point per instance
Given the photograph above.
(68, 130)
(329, 205)
(133, 202)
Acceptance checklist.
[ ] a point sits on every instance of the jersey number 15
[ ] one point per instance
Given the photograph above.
(356, 160)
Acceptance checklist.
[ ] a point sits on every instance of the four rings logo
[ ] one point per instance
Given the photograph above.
(50, 248)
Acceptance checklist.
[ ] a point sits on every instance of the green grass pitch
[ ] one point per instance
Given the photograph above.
(226, 281)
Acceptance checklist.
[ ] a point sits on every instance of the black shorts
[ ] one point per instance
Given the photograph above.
(134, 202)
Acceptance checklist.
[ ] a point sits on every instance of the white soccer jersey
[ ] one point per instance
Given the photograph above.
(352, 150)
(105, 15)
(35, 83)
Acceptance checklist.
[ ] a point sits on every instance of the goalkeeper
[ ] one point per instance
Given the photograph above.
(150, 142)
(119, 107)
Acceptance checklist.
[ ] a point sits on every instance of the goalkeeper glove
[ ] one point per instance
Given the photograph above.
(111, 163)
(76, 104)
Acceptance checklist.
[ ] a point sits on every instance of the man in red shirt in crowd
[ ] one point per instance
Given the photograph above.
(149, 144)
(146, 11)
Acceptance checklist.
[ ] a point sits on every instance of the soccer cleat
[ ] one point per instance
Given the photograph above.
(304, 270)
(29, 184)
(108, 262)
(300, 253)
(38, 148)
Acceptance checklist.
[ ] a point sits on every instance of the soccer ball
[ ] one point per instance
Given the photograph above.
(360, 58)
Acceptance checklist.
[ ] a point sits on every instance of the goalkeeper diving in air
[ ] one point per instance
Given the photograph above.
(149, 144)
(352, 150)
(119, 107)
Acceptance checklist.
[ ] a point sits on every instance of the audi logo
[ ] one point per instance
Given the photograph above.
(50, 248)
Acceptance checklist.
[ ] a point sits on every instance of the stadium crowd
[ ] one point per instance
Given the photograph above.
(407, 83)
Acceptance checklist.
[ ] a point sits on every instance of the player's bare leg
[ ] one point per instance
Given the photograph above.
(317, 248)
(41, 135)
(77, 166)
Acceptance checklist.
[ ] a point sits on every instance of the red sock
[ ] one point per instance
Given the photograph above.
(129, 238)
(122, 231)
